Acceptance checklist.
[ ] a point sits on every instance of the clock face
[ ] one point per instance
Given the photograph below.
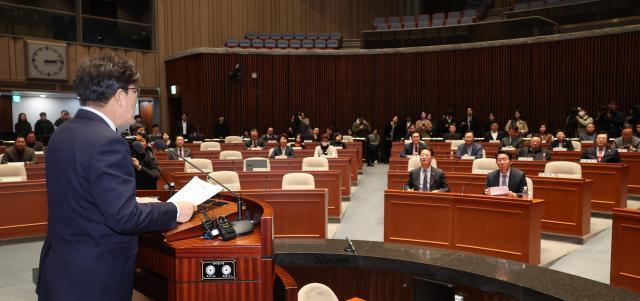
(46, 61)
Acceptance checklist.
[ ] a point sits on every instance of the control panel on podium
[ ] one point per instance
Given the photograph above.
(214, 256)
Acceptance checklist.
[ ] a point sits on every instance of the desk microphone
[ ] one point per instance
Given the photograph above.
(350, 248)
(465, 186)
(239, 225)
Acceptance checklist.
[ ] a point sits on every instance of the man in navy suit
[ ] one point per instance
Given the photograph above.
(414, 148)
(282, 150)
(602, 152)
(506, 175)
(469, 147)
(427, 177)
(94, 219)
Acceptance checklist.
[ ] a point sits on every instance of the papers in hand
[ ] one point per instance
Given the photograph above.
(147, 199)
(499, 190)
(196, 192)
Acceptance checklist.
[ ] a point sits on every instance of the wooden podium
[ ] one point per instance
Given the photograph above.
(180, 265)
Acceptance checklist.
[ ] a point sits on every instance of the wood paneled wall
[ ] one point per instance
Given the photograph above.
(544, 80)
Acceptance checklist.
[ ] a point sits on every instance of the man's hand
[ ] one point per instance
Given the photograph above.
(136, 163)
(185, 210)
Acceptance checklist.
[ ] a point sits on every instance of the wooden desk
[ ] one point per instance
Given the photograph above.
(24, 209)
(35, 172)
(625, 243)
(567, 208)
(270, 180)
(500, 227)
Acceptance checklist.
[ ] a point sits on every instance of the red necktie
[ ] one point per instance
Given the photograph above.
(600, 155)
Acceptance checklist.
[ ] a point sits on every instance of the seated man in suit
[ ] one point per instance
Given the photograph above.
(337, 141)
(534, 150)
(254, 142)
(602, 152)
(561, 141)
(325, 150)
(506, 175)
(19, 153)
(469, 147)
(513, 139)
(269, 136)
(589, 133)
(180, 149)
(452, 134)
(627, 140)
(410, 130)
(414, 148)
(282, 150)
(426, 177)
(33, 143)
(495, 134)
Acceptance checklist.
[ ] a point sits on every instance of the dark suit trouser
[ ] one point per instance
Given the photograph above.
(386, 151)
(372, 153)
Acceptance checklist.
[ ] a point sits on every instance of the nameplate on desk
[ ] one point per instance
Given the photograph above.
(337, 147)
(494, 141)
(39, 152)
(525, 158)
(197, 142)
(588, 161)
(622, 150)
(255, 148)
(498, 190)
(260, 169)
(280, 157)
(559, 149)
(508, 148)
(468, 157)
(296, 147)
(272, 141)
(218, 269)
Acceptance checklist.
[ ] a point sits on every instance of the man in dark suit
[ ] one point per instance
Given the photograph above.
(270, 136)
(452, 134)
(184, 127)
(602, 152)
(469, 123)
(33, 143)
(469, 147)
(534, 150)
(392, 132)
(427, 177)
(221, 129)
(19, 153)
(414, 148)
(180, 149)
(506, 175)
(94, 220)
(514, 140)
(561, 141)
(282, 150)
(254, 142)
(43, 128)
(494, 134)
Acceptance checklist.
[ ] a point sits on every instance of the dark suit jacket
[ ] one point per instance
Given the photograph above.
(517, 180)
(277, 151)
(172, 156)
(11, 155)
(397, 132)
(449, 136)
(476, 150)
(149, 173)
(463, 127)
(179, 129)
(538, 155)
(408, 149)
(94, 220)
(517, 142)
(249, 143)
(438, 181)
(610, 155)
(37, 146)
(266, 138)
(488, 137)
(566, 144)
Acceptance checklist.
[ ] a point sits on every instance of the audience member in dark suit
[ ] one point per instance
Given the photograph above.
(486, 127)
(270, 136)
(589, 134)
(22, 127)
(409, 133)
(627, 140)
(282, 150)
(469, 123)
(44, 128)
(561, 141)
(392, 132)
(506, 175)
(405, 131)
(446, 120)
(133, 128)
(19, 153)
(452, 134)
(337, 141)
(494, 133)
(145, 164)
(469, 147)
(221, 129)
(414, 148)
(427, 177)
(94, 220)
(64, 116)
(513, 140)
(155, 134)
(534, 150)
(602, 152)
(315, 135)
(254, 142)
(184, 127)
(180, 149)
(33, 143)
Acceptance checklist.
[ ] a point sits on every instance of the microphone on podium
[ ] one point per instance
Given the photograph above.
(239, 225)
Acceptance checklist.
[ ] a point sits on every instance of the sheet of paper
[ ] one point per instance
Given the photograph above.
(499, 190)
(147, 199)
(196, 191)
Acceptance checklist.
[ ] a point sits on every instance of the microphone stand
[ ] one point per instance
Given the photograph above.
(241, 226)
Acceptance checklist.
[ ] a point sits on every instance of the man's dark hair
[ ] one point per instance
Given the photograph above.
(137, 116)
(30, 132)
(155, 125)
(43, 114)
(430, 151)
(560, 130)
(99, 78)
(504, 152)
(536, 136)
(20, 136)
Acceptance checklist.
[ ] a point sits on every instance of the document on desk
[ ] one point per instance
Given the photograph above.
(196, 191)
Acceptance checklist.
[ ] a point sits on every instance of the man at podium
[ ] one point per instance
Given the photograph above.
(94, 220)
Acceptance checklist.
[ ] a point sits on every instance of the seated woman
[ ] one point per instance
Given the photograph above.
(282, 150)
(544, 134)
(298, 142)
(167, 141)
(145, 164)
(324, 149)
(337, 142)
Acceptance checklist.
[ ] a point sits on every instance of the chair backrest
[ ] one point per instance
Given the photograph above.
(312, 36)
(395, 26)
(451, 21)
(333, 44)
(347, 138)
(564, 169)
(270, 43)
(453, 15)
(300, 36)
(437, 16)
(424, 18)
(244, 43)
(335, 36)
(251, 35)
(408, 19)
(257, 43)
(263, 35)
(307, 44)
(231, 43)
(471, 13)
(393, 19)
(315, 163)
(455, 143)
(233, 139)
(295, 44)
(283, 44)
(379, 20)
(287, 36)
(577, 146)
(12, 173)
(230, 155)
(530, 188)
(298, 180)
(466, 20)
(204, 164)
(484, 166)
(324, 36)
(276, 36)
(263, 164)
(437, 22)
(228, 178)
(210, 146)
(381, 26)
(316, 292)
(321, 44)
(409, 24)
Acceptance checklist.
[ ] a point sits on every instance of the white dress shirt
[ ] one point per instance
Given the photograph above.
(102, 115)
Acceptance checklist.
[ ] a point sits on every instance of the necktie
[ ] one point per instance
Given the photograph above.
(181, 152)
(504, 181)
(254, 143)
(600, 154)
(415, 149)
(425, 184)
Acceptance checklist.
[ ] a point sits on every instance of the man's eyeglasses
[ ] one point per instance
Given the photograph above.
(135, 90)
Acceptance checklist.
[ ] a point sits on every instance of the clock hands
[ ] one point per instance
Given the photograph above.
(53, 61)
